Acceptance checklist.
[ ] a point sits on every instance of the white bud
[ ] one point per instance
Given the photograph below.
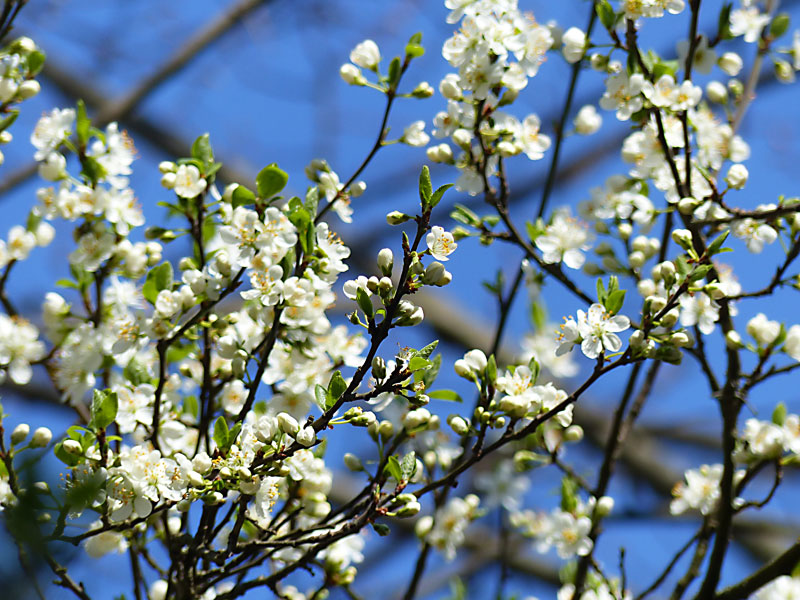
(28, 89)
(462, 138)
(416, 418)
(287, 423)
(41, 437)
(682, 237)
(20, 433)
(306, 436)
(168, 180)
(167, 166)
(352, 74)
(717, 92)
(687, 205)
(731, 63)
(636, 259)
(72, 446)
(605, 504)
(202, 462)
(588, 120)
(386, 261)
(733, 340)
(352, 462)
(458, 425)
(737, 176)
(449, 87)
(573, 433)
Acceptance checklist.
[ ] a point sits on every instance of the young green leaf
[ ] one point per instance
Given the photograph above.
(104, 408)
(221, 432)
(158, 278)
(337, 386)
(425, 187)
(270, 180)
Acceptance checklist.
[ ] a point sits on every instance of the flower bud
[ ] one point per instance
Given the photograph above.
(351, 74)
(306, 436)
(733, 340)
(416, 418)
(636, 259)
(386, 261)
(352, 462)
(41, 437)
(669, 319)
(423, 90)
(717, 92)
(605, 504)
(202, 462)
(731, 63)
(646, 287)
(378, 368)
(423, 526)
(386, 429)
(687, 205)
(433, 273)
(737, 176)
(287, 423)
(573, 433)
(449, 87)
(682, 237)
(20, 433)
(588, 120)
(28, 89)
(409, 510)
(72, 446)
(168, 180)
(681, 339)
(458, 425)
(657, 303)
(463, 138)
(396, 217)
(167, 166)
(625, 230)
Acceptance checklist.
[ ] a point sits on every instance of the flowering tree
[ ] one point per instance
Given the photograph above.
(205, 389)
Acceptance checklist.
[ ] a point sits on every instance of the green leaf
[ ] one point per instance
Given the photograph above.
(7, 121)
(723, 24)
(201, 150)
(448, 395)
(464, 215)
(104, 408)
(615, 301)
(535, 368)
(300, 218)
(417, 363)
(394, 72)
(364, 302)
(136, 372)
(414, 51)
(321, 396)
(312, 200)
(393, 468)
(221, 432)
(431, 372)
(270, 180)
(437, 195)
(779, 25)
(700, 271)
(425, 187)
(337, 386)
(606, 14)
(158, 278)
(427, 350)
(714, 247)
(82, 124)
(381, 529)
(601, 291)
(538, 315)
(92, 170)
(569, 494)
(414, 48)
(779, 414)
(491, 369)
(241, 196)
(682, 265)
(409, 466)
(35, 62)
